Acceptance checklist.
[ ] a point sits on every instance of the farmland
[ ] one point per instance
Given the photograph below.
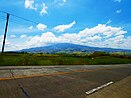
(29, 59)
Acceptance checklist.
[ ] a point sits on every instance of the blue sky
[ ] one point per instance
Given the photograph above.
(104, 23)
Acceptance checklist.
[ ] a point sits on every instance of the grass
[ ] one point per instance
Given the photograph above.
(53, 59)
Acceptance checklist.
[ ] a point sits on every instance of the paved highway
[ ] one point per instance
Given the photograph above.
(57, 81)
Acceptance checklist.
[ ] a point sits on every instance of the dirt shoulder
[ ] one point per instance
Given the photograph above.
(121, 89)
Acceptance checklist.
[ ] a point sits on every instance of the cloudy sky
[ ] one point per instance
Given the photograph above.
(99, 23)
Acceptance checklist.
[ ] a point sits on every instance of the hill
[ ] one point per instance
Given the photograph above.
(70, 48)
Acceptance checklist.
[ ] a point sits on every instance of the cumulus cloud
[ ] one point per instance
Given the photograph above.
(44, 9)
(42, 40)
(102, 29)
(117, 1)
(118, 11)
(30, 4)
(62, 28)
(12, 36)
(8, 44)
(41, 26)
(98, 36)
(69, 38)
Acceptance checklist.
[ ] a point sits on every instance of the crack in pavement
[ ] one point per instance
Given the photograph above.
(20, 86)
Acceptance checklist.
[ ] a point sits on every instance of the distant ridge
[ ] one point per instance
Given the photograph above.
(70, 48)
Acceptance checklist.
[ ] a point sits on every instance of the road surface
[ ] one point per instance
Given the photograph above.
(57, 81)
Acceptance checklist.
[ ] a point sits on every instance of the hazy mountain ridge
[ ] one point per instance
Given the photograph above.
(70, 48)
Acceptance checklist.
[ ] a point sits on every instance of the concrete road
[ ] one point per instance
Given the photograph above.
(57, 81)
(120, 89)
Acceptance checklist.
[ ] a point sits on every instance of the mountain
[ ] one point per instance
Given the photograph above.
(70, 48)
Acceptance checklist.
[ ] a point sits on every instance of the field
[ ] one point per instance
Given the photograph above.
(28, 59)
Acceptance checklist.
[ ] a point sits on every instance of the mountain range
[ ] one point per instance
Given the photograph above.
(70, 48)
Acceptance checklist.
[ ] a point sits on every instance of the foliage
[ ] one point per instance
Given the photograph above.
(29, 59)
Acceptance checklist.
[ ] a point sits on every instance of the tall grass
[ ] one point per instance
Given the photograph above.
(51, 59)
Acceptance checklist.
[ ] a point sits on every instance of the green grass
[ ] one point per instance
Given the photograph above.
(50, 59)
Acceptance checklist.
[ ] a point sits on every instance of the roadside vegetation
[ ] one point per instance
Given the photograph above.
(77, 58)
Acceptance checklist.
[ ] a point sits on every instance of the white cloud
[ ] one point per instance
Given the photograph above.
(64, 0)
(62, 28)
(22, 30)
(30, 4)
(1, 39)
(12, 36)
(60, 2)
(44, 9)
(117, 1)
(73, 38)
(109, 21)
(98, 36)
(23, 36)
(118, 11)
(41, 26)
(41, 40)
(31, 27)
(93, 38)
(102, 29)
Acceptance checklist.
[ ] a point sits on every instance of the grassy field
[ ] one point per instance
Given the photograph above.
(10, 59)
